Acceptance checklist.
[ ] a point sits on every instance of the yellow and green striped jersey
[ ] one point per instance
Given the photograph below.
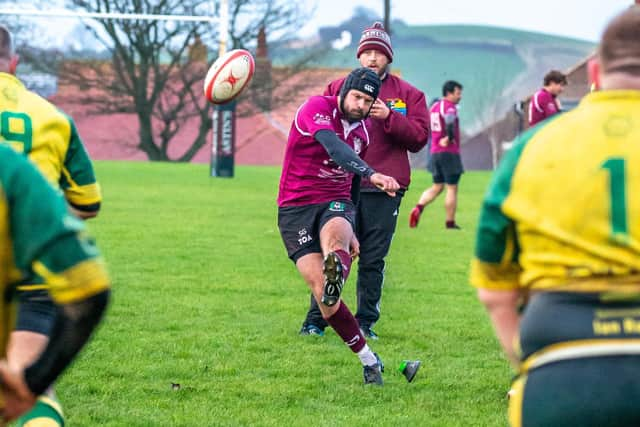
(563, 209)
(37, 234)
(33, 126)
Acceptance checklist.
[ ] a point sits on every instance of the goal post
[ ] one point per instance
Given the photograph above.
(223, 146)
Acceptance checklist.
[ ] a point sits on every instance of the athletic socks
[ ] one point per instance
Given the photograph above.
(420, 208)
(345, 259)
(46, 413)
(347, 327)
(367, 357)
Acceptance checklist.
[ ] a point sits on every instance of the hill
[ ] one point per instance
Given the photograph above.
(497, 66)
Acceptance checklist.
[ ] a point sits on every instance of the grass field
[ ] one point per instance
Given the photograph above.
(205, 297)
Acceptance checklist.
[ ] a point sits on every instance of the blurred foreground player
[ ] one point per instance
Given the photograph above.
(38, 234)
(559, 234)
(39, 130)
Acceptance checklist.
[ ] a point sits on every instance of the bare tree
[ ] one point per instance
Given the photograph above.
(151, 73)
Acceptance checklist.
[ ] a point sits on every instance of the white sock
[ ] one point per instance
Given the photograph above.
(366, 356)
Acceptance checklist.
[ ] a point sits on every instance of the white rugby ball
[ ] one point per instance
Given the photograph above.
(228, 76)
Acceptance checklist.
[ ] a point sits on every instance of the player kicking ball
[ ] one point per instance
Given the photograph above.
(316, 211)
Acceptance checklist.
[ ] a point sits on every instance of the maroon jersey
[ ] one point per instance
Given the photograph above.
(441, 113)
(309, 175)
(542, 105)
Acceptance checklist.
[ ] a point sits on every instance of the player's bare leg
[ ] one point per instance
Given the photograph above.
(24, 348)
(320, 271)
(450, 205)
(428, 196)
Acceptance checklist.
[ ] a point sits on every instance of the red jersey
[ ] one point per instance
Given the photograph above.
(309, 175)
(543, 105)
(441, 112)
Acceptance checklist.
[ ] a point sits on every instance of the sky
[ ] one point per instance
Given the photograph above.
(582, 19)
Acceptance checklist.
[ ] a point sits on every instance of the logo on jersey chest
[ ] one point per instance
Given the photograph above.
(322, 119)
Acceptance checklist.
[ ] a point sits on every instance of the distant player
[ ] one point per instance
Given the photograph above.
(559, 234)
(544, 102)
(445, 162)
(37, 233)
(33, 126)
(316, 215)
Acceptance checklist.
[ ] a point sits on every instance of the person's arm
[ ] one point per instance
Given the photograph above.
(342, 154)
(85, 212)
(72, 328)
(410, 131)
(80, 290)
(78, 180)
(502, 307)
(346, 158)
(450, 127)
(495, 269)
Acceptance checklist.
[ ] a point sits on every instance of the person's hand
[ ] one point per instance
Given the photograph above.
(379, 110)
(385, 183)
(444, 141)
(354, 247)
(17, 397)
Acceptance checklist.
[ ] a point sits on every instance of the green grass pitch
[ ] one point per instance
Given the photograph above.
(205, 297)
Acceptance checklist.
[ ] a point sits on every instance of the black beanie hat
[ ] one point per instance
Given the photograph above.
(362, 79)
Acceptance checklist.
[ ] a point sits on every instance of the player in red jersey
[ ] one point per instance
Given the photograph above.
(544, 102)
(316, 214)
(445, 163)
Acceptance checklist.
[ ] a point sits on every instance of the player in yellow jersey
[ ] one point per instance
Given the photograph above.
(33, 126)
(559, 235)
(37, 233)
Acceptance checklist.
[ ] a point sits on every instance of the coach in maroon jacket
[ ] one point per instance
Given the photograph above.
(399, 122)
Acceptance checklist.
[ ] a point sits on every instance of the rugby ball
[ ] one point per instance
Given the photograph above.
(228, 76)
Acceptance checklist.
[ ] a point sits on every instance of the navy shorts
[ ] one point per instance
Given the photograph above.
(446, 168)
(36, 312)
(300, 225)
(578, 386)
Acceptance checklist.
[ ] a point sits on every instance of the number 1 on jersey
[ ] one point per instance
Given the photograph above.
(618, 196)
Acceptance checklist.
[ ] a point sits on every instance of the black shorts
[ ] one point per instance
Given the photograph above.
(300, 225)
(446, 168)
(36, 312)
(563, 382)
